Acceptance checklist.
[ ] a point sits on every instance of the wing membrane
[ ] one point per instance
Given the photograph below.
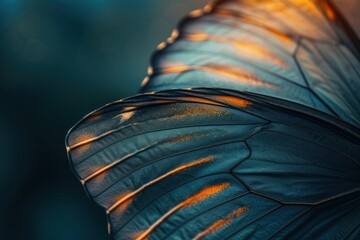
(212, 163)
(275, 157)
(298, 50)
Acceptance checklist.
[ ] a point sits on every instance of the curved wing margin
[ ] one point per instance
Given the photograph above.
(298, 50)
(219, 164)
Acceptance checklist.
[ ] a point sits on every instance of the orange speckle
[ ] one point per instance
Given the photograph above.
(235, 74)
(125, 116)
(207, 8)
(281, 36)
(145, 81)
(175, 69)
(221, 223)
(197, 162)
(197, 37)
(180, 139)
(98, 179)
(130, 195)
(115, 162)
(150, 70)
(204, 194)
(170, 40)
(258, 52)
(199, 100)
(236, 101)
(224, 13)
(254, 21)
(198, 197)
(161, 45)
(228, 72)
(329, 12)
(199, 111)
(174, 34)
(81, 143)
(184, 138)
(124, 204)
(144, 234)
(128, 108)
(83, 137)
(196, 13)
(308, 5)
(250, 50)
(109, 228)
(240, 211)
(137, 235)
(93, 117)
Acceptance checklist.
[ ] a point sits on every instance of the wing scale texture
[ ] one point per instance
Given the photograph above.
(298, 50)
(275, 157)
(175, 163)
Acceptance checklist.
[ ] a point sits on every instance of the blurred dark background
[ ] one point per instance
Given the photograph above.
(59, 60)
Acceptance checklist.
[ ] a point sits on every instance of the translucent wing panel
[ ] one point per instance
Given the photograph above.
(300, 51)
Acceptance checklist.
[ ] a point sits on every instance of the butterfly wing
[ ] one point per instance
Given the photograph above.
(298, 50)
(218, 164)
(281, 162)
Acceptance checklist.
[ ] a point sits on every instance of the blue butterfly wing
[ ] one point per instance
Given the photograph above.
(278, 160)
(219, 164)
(300, 51)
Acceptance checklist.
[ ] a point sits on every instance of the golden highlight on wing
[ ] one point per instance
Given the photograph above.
(301, 51)
(258, 137)
(196, 198)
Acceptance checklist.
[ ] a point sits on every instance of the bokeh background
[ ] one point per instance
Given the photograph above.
(59, 60)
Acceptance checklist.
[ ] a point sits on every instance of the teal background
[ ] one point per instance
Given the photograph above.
(59, 60)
